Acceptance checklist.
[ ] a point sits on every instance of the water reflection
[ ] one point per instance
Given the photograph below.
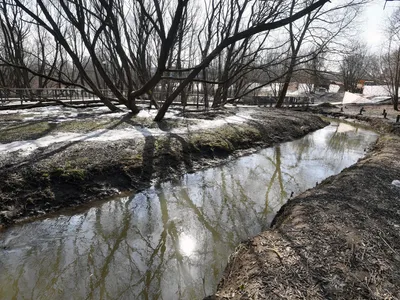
(171, 241)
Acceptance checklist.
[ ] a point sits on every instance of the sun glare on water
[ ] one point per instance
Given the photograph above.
(187, 244)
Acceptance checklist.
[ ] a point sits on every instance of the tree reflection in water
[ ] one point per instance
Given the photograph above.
(171, 241)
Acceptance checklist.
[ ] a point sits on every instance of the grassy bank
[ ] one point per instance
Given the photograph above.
(70, 173)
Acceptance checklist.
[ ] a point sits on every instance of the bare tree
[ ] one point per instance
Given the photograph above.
(353, 67)
(261, 26)
(318, 29)
(391, 59)
(312, 72)
(130, 47)
(15, 34)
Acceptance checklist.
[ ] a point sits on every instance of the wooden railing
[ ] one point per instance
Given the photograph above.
(19, 98)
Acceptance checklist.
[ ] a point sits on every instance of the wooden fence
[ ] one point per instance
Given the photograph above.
(20, 98)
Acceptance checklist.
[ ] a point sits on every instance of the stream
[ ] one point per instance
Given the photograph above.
(173, 240)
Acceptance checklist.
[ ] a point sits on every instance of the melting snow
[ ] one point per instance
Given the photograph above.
(375, 90)
(396, 183)
(355, 98)
(26, 147)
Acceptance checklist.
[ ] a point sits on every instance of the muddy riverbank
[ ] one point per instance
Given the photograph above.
(47, 175)
(340, 240)
(372, 116)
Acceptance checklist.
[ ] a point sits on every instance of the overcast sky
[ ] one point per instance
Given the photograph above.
(373, 22)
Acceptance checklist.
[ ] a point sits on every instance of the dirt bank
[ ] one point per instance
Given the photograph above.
(371, 116)
(340, 240)
(67, 173)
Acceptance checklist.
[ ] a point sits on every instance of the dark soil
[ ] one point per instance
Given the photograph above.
(69, 174)
(340, 240)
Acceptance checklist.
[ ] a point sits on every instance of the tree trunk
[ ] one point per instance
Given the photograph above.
(283, 92)
(397, 82)
(205, 90)
(132, 104)
(153, 101)
(217, 97)
(107, 102)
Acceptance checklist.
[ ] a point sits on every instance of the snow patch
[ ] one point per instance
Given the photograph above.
(170, 114)
(114, 114)
(62, 112)
(26, 147)
(396, 183)
(350, 98)
(375, 90)
(334, 88)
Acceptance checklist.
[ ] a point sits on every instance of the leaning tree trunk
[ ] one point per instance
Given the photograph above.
(285, 87)
(107, 102)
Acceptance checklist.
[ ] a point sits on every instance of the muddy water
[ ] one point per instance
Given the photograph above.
(171, 241)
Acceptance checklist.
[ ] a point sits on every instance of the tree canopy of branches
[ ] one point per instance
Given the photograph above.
(315, 35)
(391, 58)
(134, 49)
(353, 67)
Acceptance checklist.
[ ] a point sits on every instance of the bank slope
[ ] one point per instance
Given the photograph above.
(69, 173)
(340, 240)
